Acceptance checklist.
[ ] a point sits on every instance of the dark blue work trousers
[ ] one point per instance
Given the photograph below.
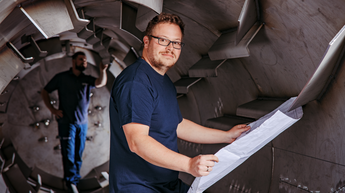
(72, 139)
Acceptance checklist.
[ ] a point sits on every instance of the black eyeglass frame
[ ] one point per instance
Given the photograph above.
(158, 38)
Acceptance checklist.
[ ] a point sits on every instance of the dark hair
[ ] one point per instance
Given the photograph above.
(75, 55)
(164, 18)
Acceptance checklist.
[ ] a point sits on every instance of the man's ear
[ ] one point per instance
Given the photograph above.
(146, 41)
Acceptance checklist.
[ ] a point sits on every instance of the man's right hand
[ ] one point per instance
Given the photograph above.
(58, 113)
(201, 165)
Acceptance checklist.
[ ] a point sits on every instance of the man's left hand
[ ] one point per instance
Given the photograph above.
(236, 131)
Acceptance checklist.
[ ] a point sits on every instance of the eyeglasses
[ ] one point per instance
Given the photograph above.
(166, 42)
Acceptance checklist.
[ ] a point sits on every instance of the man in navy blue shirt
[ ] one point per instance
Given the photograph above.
(74, 89)
(146, 121)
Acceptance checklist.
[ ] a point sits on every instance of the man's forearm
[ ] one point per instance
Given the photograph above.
(159, 155)
(102, 79)
(156, 153)
(192, 132)
(46, 99)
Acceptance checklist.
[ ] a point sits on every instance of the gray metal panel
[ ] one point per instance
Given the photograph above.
(48, 179)
(130, 58)
(320, 79)
(144, 16)
(214, 16)
(6, 95)
(104, 9)
(6, 7)
(226, 47)
(8, 152)
(294, 172)
(15, 23)
(51, 16)
(29, 50)
(10, 66)
(247, 19)
(183, 84)
(83, 3)
(87, 31)
(258, 108)
(123, 36)
(128, 19)
(226, 122)
(155, 5)
(88, 184)
(17, 179)
(78, 23)
(96, 37)
(3, 187)
(205, 68)
(39, 52)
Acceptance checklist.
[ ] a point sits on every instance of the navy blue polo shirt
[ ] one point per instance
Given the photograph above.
(141, 95)
(74, 95)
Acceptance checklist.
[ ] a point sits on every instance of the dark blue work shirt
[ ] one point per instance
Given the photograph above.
(141, 95)
(74, 95)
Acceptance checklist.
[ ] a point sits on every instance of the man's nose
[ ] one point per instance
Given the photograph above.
(170, 46)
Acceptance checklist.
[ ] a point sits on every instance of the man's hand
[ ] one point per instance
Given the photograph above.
(102, 79)
(58, 113)
(236, 131)
(201, 165)
(103, 66)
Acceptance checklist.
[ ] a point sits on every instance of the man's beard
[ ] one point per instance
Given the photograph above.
(159, 64)
(80, 68)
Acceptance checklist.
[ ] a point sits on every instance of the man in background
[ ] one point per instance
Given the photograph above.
(74, 89)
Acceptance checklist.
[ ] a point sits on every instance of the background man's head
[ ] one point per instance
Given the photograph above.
(79, 61)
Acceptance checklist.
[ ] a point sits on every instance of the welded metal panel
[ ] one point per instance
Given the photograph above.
(144, 16)
(327, 67)
(128, 19)
(6, 7)
(87, 31)
(5, 96)
(259, 107)
(18, 180)
(226, 122)
(247, 19)
(155, 5)
(314, 175)
(50, 16)
(10, 66)
(78, 23)
(89, 184)
(183, 85)
(205, 68)
(47, 178)
(30, 50)
(96, 37)
(83, 3)
(14, 24)
(104, 9)
(130, 58)
(226, 48)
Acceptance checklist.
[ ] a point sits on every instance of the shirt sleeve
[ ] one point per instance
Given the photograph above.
(53, 84)
(135, 103)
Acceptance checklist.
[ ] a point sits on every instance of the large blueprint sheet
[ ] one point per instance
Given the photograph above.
(262, 132)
